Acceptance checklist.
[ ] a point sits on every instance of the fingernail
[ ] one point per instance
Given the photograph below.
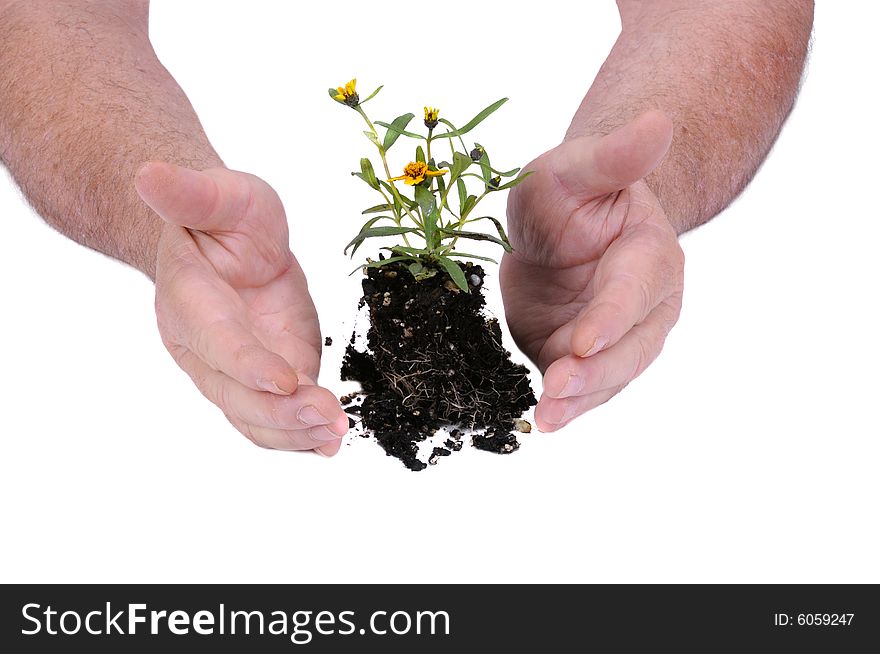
(322, 434)
(270, 386)
(573, 386)
(597, 345)
(309, 415)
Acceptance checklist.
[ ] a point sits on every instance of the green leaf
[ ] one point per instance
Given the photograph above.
(409, 203)
(462, 193)
(372, 95)
(376, 231)
(416, 268)
(403, 249)
(368, 174)
(395, 128)
(501, 233)
(372, 221)
(441, 185)
(401, 132)
(476, 120)
(428, 206)
(455, 272)
(514, 182)
(474, 236)
(431, 229)
(485, 165)
(333, 93)
(361, 175)
(464, 255)
(460, 163)
(425, 199)
(378, 208)
(486, 175)
(373, 138)
(506, 173)
(452, 133)
(380, 263)
(468, 204)
(420, 154)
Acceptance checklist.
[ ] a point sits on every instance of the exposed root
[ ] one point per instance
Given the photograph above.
(434, 360)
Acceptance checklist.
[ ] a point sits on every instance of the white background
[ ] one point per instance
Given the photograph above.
(747, 452)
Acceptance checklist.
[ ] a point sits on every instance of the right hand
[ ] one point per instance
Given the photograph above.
(233, 306)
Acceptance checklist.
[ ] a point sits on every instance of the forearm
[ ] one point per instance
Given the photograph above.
(83, 102)
(726, 72)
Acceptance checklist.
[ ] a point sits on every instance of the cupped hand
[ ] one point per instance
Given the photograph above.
(233, 306)
(595, 281)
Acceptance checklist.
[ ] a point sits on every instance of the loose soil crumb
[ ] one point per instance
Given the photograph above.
(328, 341)
(434, 361)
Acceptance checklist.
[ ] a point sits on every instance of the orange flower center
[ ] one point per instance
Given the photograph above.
(415, 169)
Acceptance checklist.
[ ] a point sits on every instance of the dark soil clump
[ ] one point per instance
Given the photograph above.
(434, 360)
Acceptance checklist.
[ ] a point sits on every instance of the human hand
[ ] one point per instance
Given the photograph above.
(233, 306)
(595, 280)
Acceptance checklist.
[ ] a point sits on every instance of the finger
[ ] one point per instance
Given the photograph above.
(589, 168)
(311, 408)
(286, 440)
(552, 414)
(330, 449)
(211, 200)
(637, 273)
(230, 348)
(573, 376)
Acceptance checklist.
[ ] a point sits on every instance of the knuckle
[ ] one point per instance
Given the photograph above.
(245, 430)
(645, 291)
(608, 307)
(297, 442)
(601, 377)
(274, 411)
(644, 354)
(613, 393)
(678, 258)
(246, 353)
(181, 356)
(222, 397)
(201, 337)
(639, 289)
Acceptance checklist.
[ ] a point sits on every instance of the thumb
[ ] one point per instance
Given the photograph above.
(590, 168)
(210, 200)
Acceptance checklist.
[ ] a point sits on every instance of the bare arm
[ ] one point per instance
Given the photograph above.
(679, 118)
(83, 103)
(726, 73)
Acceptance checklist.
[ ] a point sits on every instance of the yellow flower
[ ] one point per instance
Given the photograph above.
(431, 115)
(347, 94)
(415, 172)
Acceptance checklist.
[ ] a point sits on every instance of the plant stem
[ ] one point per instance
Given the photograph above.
(388, 173)
(463, 219)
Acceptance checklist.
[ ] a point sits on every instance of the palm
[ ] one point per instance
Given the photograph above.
(594, 282)
(249, 274)
(234, 309)
(549, 278)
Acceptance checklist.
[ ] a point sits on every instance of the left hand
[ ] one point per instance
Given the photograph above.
(595, 281)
